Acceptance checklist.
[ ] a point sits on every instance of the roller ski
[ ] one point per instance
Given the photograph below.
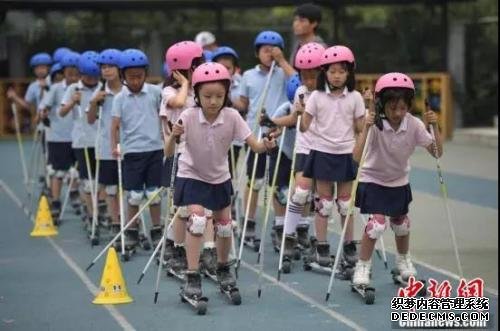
(191, 292)
(177, 265)
(318, 257)
(250, 239)
(227, 283)
(131, 242)
(403, 271)
(289, 252)
(55, 210)
(361, 282)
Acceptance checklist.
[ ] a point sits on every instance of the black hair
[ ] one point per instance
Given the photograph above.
(394, 94)
(170, 81)
(350, 82)
(310, 11)
(233, 59)
(227, 100)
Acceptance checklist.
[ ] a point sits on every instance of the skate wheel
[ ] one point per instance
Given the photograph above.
(287, 267)
(94, 241)
(183, 299)
(353, 289)
(296, 254)
(236, 298)
(256, 247)
(146, 246)
(369, 297)
(307, 267)
(201, 308)
(169, 274)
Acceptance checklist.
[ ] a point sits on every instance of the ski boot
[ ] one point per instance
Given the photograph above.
(74, 197)
(347, 262)
(208, 261)
(404, 270)
(131, 242)
(288, 253)
(55, 210)
(168, 254)
(227, 283)
(102, 214)
(115, 229)
(177, 265)
(361, 281)
(250, 239)
(303, 241)
(318, 257)
(156, 234)
(276, 235)
(191, 292)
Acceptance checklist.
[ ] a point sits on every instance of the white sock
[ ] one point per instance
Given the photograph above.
(208, 244)
(170, 233)
(294, 216)
(279, 220)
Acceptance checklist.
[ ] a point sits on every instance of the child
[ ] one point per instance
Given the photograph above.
(251, 92)
(203, 180)
(59, 137)
(108, 61)
(384, 189)
(182, 58)
(308, 64)
(135, 119)
(76, 100)
(338, 113)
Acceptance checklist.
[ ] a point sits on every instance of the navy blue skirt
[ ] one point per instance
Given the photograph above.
(330, 167)
(300, 162)
(190, 191)
(166, 171)
(372, 198)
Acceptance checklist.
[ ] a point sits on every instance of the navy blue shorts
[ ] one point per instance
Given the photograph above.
(330, 167)
(61, 155)
(261, 165)
(166, 171)
(300, 162)
(142, 170)
(372, 198)
(190, 191)
(284, 168)
(108, 172)
(82, 164)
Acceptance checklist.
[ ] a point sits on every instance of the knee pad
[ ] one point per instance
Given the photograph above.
(73, 172)
(135, 197)
(150, 192)
(59, 174)
(183, 212)
(257, 184)
(50, 171)
(196, 225)
(209, 214)
(324, 206)
(400, 225)
(111, 190)
(375, 226)
(87, 184)
(224, 228)
(300, 196)
(343, 204)
(281, 195)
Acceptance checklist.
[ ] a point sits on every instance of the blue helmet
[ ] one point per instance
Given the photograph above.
(87, 66)
(40, 59)
(269, 38)
(133, 58)
(109, 56)
(59, 53)
(224, 50)
(292, 84)
(55, 68)
(93, 55)
(70, 59)
(208, 55)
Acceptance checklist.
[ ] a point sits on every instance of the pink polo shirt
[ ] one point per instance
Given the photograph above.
(334, 118)
(207, 145)
(388, 153)
(304, 139)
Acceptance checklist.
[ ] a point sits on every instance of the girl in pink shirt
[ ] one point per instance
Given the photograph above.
(337, 113)
(383, 188)
(203, 180)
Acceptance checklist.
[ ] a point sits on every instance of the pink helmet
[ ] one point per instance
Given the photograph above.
(337, 54)
(309, 56)
(394, 79)
(180, 55)
(210, 72)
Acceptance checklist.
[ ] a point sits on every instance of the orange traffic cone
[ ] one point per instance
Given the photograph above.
(113, 288)
(44, 226)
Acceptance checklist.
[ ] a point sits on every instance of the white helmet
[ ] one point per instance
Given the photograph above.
(204, 38)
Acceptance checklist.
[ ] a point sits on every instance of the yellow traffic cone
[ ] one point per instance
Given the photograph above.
(44, 226)
(113, 288)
